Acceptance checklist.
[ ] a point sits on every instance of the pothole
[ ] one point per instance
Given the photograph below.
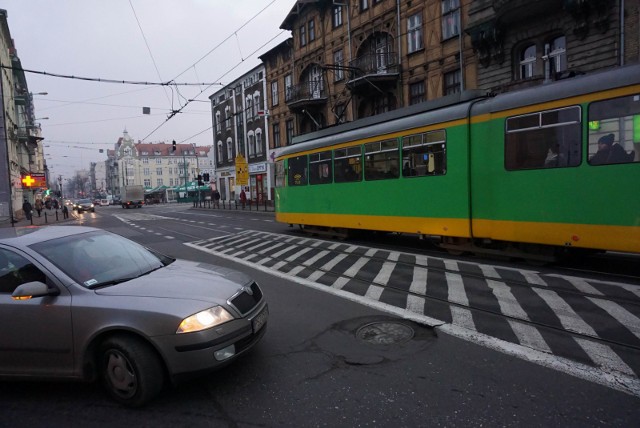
(385, 333)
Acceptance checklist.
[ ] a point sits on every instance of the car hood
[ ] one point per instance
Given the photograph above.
(183, 280)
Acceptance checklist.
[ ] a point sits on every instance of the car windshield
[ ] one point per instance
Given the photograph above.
(84, 201)
(100, 258)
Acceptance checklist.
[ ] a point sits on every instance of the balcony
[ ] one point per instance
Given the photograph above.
(307, 94)
(375, 68)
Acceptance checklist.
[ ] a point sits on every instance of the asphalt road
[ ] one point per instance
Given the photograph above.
(325, 360)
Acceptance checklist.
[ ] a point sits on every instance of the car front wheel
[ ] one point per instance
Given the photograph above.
(131, 371)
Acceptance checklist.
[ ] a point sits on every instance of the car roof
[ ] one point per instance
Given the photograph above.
(25, 236)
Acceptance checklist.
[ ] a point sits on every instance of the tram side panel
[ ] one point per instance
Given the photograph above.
(534, 179)
(412, 181)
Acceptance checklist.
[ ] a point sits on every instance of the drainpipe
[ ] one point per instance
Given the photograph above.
(621, 32)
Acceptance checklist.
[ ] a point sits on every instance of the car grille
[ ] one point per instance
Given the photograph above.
(244, 302)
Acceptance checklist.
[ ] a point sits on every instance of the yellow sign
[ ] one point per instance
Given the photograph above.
(34, 180)
(242, 171)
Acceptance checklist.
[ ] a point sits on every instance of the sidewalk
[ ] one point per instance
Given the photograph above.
(47, 218)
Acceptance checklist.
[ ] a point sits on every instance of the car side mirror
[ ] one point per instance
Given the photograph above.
(33, 289)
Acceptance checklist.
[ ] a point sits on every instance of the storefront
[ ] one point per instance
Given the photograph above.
(258, 182)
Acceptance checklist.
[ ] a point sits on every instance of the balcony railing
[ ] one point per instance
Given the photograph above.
(375, 65)
(309, 91)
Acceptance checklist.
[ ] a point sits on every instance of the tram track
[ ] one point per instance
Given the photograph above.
(282, 253)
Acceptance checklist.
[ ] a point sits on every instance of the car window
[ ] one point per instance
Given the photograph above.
(100, 257)
(16, 270)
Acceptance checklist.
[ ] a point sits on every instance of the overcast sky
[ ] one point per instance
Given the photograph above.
(189, 41)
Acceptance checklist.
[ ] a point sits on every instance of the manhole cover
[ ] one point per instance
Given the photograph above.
(385, 333)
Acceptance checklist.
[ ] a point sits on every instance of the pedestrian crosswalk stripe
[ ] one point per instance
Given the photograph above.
(626, 318)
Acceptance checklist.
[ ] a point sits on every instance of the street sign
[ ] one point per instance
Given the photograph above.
(242, 171)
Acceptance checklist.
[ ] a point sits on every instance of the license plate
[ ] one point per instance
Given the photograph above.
(260, 320)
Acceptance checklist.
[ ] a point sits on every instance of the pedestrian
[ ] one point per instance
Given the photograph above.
(216, 198)
(243, 198)
(47, 204)
(65, 211)
(38, 206)
(55, 204)
(26, 207)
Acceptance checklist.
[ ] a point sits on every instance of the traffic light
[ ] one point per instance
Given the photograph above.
(200, 183)
(174, 146)
(205, 177)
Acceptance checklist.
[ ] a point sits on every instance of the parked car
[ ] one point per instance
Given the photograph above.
(88, 304)
(104, 202)
(83, 205)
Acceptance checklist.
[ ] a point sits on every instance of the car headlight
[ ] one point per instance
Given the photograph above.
(205, 319)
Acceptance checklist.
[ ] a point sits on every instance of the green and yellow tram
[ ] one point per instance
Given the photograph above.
(524, 173)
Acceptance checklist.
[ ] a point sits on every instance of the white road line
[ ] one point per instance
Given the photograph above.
(269, 249)
(385, 273)
(462, 317)
(355, 268)
(626, 318)
(333, 262)
(419, 283)
(580, 284)
(529, 336)
(298, 254)
(315, 258)
(340, 282)
(604, 356)
(569, 319)
(281, 252)
(457, 292)
(451, 265)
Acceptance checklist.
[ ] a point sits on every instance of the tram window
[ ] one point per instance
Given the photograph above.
(546, 139)
(424, 154)
(347, 164)
(381, 160)
(280, 175)
(320, 168)
(298, 171)
(614, 131)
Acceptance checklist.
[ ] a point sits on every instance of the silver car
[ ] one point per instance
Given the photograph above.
(82, 303)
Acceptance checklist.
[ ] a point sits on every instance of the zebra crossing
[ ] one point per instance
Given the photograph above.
(590, 321)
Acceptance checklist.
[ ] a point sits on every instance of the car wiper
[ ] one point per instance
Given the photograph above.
(111, 282)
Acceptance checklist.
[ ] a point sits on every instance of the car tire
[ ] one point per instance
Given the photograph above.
(131, 371)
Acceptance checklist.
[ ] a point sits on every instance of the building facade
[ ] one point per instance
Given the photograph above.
(21, 152)
(241, 138)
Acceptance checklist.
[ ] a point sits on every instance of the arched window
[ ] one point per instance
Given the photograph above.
(229, 149)
(220, 158)
(259, 142)
(251, 140)
(527, 61)
(218, 130)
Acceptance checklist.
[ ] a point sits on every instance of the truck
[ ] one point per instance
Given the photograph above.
(132, 196)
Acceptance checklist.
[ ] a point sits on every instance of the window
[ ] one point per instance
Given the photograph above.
(424, 154)
(259, 148)
(274, 93)
(289, 129)
(249, 107)
(417, 92)
(145, 160)
(312, 30)
(547, 139)
(527, 62)
(15, 270)
(159, 182)
(303, 35)
(229, 149)
(220, 157)
(256, 104)
(348, 164)
(227, 117)
(251, 144)
(280, 175)
(218, 130)
(338, 59)
(298, 171)
(614, 130)
(146, 171)
(288, 87)
(158, 171)
(364, 5)
(320, 168)
(337, 16)
(147, 182)
(450, 18)
(452, 82)
(158, 161)
(414, 33)
(381, 160)
(276, 134)
(557, 55)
